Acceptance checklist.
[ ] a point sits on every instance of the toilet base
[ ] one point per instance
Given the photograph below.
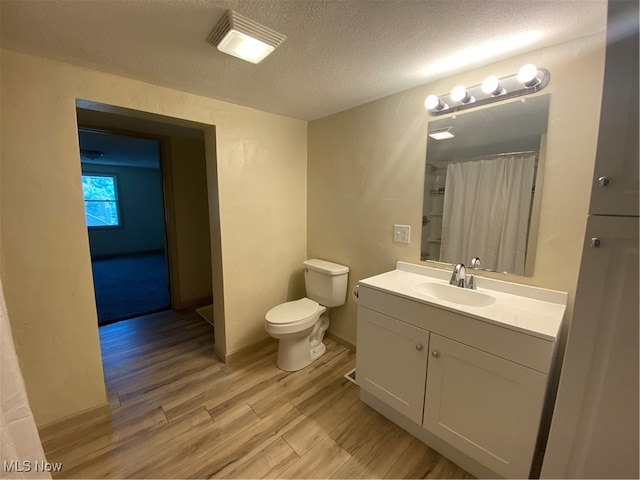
(300, 351)
(293, 354)
(317, 350)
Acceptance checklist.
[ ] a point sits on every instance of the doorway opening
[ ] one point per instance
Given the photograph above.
(148, 220)
(124, 209)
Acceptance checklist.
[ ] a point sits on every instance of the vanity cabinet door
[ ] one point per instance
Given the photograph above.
(484, 405)
(392, 361)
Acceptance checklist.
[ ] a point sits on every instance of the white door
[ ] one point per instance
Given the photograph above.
(617, 155)
(594, 431)
(484, 405)
(392, 361)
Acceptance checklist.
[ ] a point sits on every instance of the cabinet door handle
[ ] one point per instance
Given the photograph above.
(595, 242)
(419, 347)
(435, 354)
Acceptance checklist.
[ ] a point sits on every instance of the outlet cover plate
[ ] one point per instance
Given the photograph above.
(402, 233)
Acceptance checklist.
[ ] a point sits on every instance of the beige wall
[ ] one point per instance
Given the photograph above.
(260, 163)
(191, 217)
(366, 172)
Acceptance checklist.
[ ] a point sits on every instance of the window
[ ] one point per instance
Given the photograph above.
(101, 200)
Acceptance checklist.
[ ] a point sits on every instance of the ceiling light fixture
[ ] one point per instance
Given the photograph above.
(243, 38)
(529, 79)
(91, 154)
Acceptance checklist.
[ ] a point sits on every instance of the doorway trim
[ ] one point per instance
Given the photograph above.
(165, 124)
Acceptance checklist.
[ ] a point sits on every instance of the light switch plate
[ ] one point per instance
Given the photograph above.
(402, 233)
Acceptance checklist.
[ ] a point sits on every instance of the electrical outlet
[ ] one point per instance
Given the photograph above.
(402, 233)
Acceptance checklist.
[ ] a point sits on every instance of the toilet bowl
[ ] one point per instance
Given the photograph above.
(300, 325)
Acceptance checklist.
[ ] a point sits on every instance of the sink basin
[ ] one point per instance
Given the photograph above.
(450, 293)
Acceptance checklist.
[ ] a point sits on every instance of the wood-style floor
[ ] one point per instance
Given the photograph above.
(178, 412)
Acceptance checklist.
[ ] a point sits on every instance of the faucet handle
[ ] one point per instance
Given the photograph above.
(475, 262)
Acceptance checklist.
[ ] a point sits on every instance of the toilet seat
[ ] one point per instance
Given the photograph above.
(294, 313)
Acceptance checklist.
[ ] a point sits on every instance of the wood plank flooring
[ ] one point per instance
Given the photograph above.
(178, 412)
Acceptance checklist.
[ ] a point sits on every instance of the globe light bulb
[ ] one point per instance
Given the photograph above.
(528, 75)
(459, 93)
(432, 102)
(491, 85)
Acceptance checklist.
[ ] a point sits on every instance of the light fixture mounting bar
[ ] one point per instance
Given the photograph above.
(511, 87)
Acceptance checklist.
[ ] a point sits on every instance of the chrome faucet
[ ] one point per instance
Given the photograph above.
(458, 278)
(459, 275)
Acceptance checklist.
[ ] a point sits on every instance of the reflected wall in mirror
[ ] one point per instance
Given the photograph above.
(483, 186)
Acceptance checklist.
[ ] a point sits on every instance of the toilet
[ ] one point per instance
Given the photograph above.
(300, 325)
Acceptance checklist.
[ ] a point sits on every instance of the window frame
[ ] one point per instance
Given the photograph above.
(117, 200)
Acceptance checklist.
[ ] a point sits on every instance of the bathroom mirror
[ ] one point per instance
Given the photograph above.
(483, 186)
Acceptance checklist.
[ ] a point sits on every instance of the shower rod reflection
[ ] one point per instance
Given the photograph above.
(444, 163)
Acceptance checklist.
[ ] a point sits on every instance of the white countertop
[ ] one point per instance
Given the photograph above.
(531, 310)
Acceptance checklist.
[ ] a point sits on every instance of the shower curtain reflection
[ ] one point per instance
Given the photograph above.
(487, 206)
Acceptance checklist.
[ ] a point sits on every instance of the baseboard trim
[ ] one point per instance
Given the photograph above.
(251, 348)
(74, 419)
(341, 341)
(196, 302)
(260, 344)
(219, 353)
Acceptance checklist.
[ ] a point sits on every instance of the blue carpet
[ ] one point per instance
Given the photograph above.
(130, 286)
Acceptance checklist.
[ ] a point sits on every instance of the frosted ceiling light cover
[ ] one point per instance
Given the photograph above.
(245, 47)
(243, 38)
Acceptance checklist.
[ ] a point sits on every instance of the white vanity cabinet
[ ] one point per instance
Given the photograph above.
(473, 390)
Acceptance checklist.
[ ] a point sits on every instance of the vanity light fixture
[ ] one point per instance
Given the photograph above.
(441, 133)
(528, 80)
(243, 38)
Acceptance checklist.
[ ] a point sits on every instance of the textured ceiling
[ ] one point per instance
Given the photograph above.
(338, 54)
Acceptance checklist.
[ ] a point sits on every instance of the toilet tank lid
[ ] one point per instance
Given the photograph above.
(323, 266)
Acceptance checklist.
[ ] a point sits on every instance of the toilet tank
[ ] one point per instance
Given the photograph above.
(326, 282)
